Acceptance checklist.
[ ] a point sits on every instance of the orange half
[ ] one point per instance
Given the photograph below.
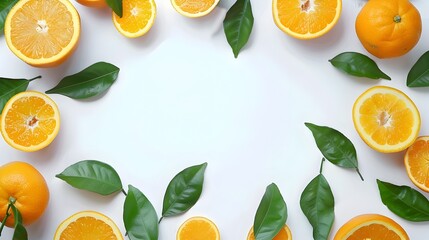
(194, 8)
(284, 234)
(198, 228)
(417, 163)
(137, 19)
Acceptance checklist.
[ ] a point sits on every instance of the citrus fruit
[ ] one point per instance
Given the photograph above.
(198, 228)
(93, 3)
(194, 8)
(371, 226)
(137, 19)
(30, 121)
(27, 186)
(88, 225)
(388, 28)
(284, 234)
(417, 163)
(306, 19)
(42, 33)
(386, 119)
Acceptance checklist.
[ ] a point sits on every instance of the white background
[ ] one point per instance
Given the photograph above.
(182, 99)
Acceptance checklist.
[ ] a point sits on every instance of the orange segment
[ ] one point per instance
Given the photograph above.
(284, 234)
(198, 228)
(417, 163)
(138, 17)
(88, 225)
(306, 19)
(30, 121)
(42, 33)
(194, 8)
(386, 119)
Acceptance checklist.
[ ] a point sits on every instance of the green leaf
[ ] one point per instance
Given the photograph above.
(404, 201)
(238, 25)
(140, 218)
(317, 204)
(335, 147)
(10, 87)
(20, 233)
(90, 82)
(93, 176)
(271, 214)
(358, 65)
(116, 6)
(5, 6)
(184, 190)
(419, 73)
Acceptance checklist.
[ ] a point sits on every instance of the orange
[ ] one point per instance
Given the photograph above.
(386, 119)
(93, 3)
(417, 163)
(42, 33)
(24, 183)
(371, 226)
(30, 121)
(88, 225)
(198, 228)
(194, 8)
(284, 234)
(306, 19)
(137, 19)
(388, 28)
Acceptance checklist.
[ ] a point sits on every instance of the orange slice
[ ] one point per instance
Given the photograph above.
(93, 3)
(284, 234)
(371, 226)
(30, 121)
(306, 19)
(386, 119)
(88, 225)
(42, 33)
(194, 8)
(137, 19)
(198, 228)
(417, 163)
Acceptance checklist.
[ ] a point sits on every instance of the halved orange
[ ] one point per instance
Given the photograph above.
(284, 234)
(386, 119)
(42, 33)
(88, 225)
(198, 228)
(30, 121)
(417, 163)
(371, 226)
(194, 8)
(306, 19)
(137, 19)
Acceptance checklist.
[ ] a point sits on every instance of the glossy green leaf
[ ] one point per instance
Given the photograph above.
(358, 65)
(10, 87)
(404, 201)
(90, 82)
(419, 73)
(334, 146)
(19, 233)
(317, 204)
(271, 214)
(184, 190)
(116, 6)
(238, 25)
(140, 218)
(5, 6)
(93, 176)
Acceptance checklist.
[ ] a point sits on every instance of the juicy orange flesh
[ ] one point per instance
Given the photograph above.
(374, 232)
(30, 121)
(386, 119)
(136, 15)
(41, 28)
(198, 230)
(195, 6)
(282, 235)
(88, 228)
(306, 16)
(418, 161)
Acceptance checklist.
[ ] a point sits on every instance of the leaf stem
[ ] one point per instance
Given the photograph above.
(3, 223)
(162, 217)
(321, 165)
(360, 175)
(123, 191)
(34, 78)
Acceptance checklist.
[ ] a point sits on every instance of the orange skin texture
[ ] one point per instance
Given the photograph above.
(93, 3)
(23, 182)
(381, 35)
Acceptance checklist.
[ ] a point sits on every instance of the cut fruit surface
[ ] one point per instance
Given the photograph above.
(138, 17)
(194, 8)
(30, 121)
(417, 163)
(42, 33)
(386, 119)
(306, 19)
(198, 228)
(284, 234)
(88, 225)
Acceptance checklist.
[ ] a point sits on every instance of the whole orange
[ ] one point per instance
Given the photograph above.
(93, 3)
(24, 183)
(388, 28)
